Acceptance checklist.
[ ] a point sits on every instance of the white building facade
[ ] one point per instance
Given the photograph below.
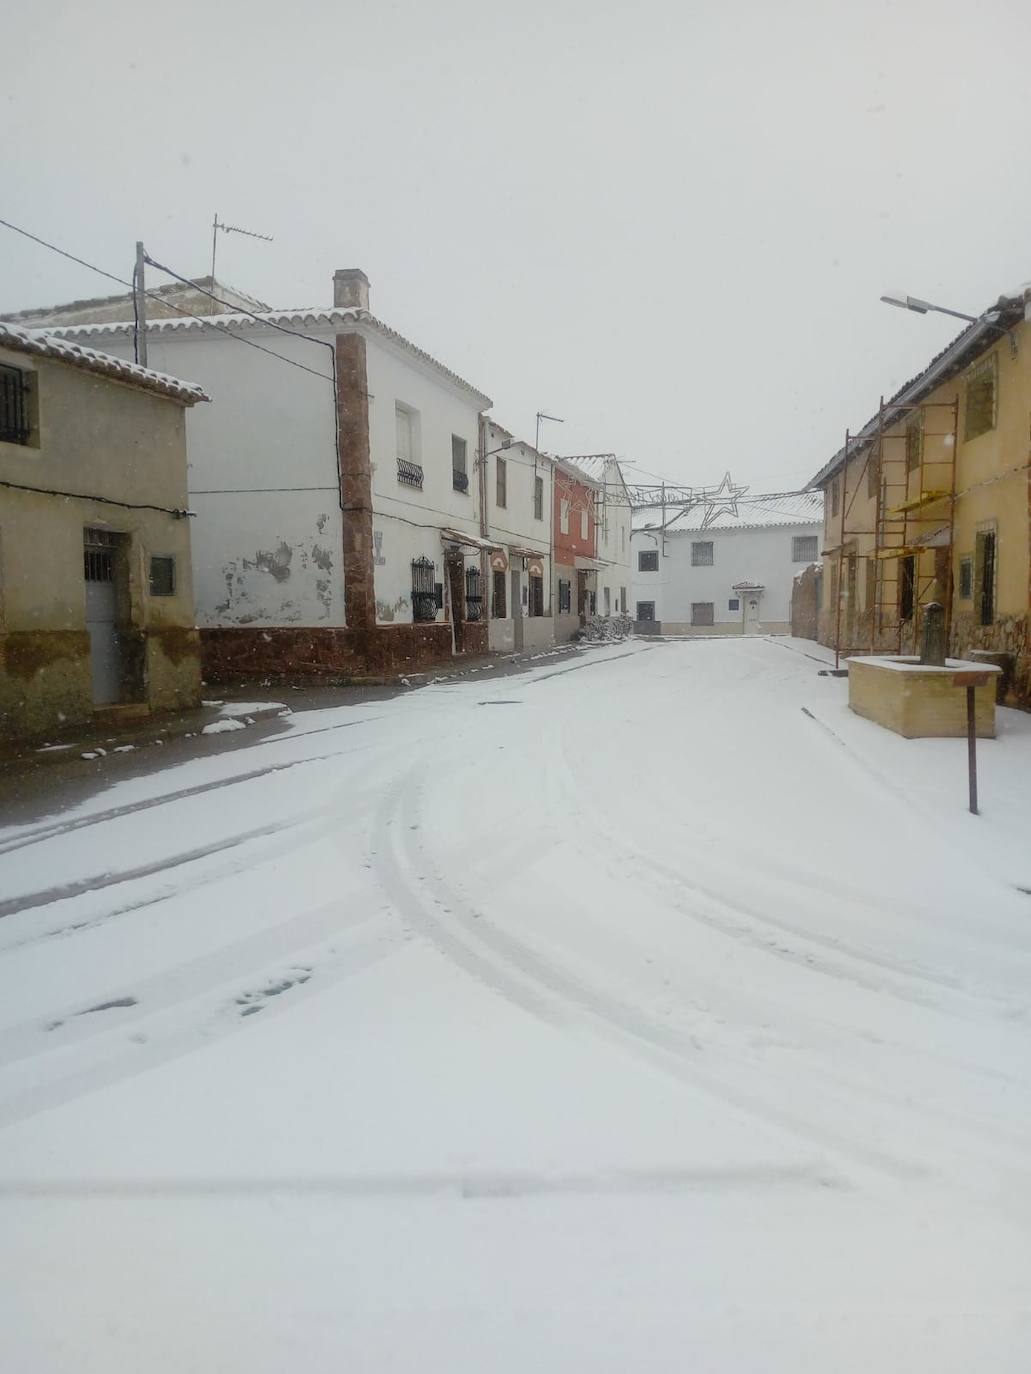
(518, 494)
(733, 576)
(335, 483)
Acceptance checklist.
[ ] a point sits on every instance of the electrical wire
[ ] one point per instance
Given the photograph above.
(207, 323)
(104, 500)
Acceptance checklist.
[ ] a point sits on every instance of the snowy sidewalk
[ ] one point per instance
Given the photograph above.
(619, 1015)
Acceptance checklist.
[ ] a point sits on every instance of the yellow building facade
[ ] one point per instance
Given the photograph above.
(932, 502)
(96, 583)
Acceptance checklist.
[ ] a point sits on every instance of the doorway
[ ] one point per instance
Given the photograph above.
(517, 610)
(105, 593)
(456, 591)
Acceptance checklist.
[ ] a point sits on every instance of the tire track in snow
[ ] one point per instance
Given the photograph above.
(516, 972)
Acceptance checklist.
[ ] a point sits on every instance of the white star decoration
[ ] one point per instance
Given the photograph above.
(724, 498)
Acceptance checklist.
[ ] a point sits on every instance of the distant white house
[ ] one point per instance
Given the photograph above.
(734, 575)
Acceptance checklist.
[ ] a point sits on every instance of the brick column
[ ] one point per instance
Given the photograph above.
(355, 481)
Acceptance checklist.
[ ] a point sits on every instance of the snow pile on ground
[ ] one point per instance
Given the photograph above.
(619, 1016)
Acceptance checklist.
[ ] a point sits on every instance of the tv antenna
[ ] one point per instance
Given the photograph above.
(231, 229)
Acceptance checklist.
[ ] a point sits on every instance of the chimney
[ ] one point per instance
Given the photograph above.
(350, 289)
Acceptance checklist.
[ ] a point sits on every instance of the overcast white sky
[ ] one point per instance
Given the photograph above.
(667, 222)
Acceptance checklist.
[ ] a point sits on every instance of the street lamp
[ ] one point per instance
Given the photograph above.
(923, 307)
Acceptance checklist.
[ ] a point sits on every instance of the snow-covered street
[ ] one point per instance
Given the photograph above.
(646, 1011)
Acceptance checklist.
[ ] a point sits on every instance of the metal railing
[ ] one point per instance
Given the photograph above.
(409, 473)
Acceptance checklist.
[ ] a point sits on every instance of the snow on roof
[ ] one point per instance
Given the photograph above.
(43, 344)
(302, 318)
(753, 512)
(592, 465)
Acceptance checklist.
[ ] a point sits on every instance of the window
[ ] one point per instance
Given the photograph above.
(459, 475)
(404, 421)
(966, 578)
(979, 411)
(646, 610)
(834, 497)
(734, 604)
(622, 600)
(583, 524)
(536, 595)
(565, 596)
(907, 587)
(984, 577)
(702, 612)
(502, 492)
(438, 595)
(914, 441)
(701, 554)
(873, 476)
(497, 604)
(563, 516)
(162, 576)
(473, 594)
(538, 503)
(606, 600)
(804, 548)
(424, 591)
(15, 406)
(648, 560)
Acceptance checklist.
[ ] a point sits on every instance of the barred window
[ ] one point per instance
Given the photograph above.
(648, 560)
(424, 593)
(459, 473)
(804, 548)
(502, 493)
(15, 417)
(565, 595)
(966, 578)
(538, 501)
(536, 595)
(497, 606)
(701, 554)
(473, 594)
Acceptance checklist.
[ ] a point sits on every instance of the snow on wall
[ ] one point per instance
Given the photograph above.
(739, 555)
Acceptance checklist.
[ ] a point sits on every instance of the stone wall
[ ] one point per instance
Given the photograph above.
(289, 654)
(805, 603)
(1010, 635)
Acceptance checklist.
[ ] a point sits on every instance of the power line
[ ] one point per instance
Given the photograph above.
(105, 500)
(207, 323)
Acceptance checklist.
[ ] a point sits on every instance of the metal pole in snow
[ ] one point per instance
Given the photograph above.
(141, 306)
(972, 748)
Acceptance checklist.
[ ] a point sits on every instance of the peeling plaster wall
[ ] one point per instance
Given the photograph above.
(267, 538)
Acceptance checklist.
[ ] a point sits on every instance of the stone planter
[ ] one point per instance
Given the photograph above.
(918, 701)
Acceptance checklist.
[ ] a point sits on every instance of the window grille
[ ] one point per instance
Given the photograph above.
(502, 492)
(15, 426)
(565, 596)
(701, 554)
(424, 595)
(473, 594)
(734, 604)
(538, 501)
(648, 560)
(804, 548)
(966, 578)
(646, 610)
(410, 474)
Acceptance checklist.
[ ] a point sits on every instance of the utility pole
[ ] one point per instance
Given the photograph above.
(139, 293)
